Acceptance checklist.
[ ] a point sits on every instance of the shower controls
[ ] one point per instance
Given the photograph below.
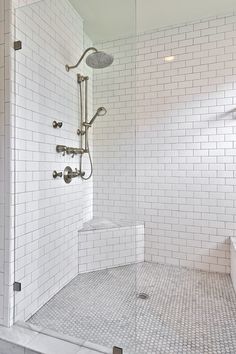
(69, 174)
(56, 174)
(74, 151)
(56, 124)
(61, 148)
(69, 150)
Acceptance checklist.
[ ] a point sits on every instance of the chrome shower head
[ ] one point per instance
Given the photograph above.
(96, 60)
(101, 111)
(99, 60)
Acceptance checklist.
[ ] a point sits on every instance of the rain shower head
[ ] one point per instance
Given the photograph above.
(101, 111)
(96, 60)
(99, 60)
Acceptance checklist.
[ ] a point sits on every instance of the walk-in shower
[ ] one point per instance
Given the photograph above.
(103, 260)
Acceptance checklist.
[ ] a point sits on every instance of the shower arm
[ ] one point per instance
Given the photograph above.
(68, 68)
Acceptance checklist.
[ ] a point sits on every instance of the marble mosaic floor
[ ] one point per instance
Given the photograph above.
(187, 312)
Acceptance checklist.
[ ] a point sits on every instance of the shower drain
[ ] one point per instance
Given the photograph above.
(143, 296)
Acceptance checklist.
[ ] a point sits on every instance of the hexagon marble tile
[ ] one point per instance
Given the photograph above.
(186, 312)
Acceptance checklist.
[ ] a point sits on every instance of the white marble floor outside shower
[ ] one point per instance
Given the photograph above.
(187, 312)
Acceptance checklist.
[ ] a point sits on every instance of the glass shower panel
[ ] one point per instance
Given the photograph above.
(77, 240)
(109, 243)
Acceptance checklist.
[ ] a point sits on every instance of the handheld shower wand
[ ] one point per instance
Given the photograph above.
(101, 111)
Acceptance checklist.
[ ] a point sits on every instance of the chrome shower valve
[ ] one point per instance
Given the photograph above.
(61, 148)
(69, 174)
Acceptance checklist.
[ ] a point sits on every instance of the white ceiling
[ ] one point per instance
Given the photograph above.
(110, 19)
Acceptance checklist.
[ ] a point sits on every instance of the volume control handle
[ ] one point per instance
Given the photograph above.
(56, 174)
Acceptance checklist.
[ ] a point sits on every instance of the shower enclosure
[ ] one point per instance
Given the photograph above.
(117, 131)
(77, 238)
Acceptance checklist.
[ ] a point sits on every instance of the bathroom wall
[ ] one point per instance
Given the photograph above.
(115, 133)
(185, 141)
(48, 212)
(2, 150)
(6, 224)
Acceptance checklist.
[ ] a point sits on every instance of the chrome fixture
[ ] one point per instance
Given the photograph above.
(56, 174)
(81, 78)
(80, 132)
(99, 60)
(69, 150)
(56, 124)
(84, 124)
(101, 111)
(61, 148)
(69, 174)
(74, 151)
(96, 60)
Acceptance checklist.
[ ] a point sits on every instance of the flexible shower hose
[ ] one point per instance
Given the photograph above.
(91, 165)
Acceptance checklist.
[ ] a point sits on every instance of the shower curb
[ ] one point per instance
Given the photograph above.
(31, 339)
(89, 347)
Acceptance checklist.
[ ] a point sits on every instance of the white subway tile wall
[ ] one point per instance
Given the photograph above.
(108, 248)
(115, 144)
(49, 212)
(171, 125)
(2, 151)
(6, 236)
(185, 142)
